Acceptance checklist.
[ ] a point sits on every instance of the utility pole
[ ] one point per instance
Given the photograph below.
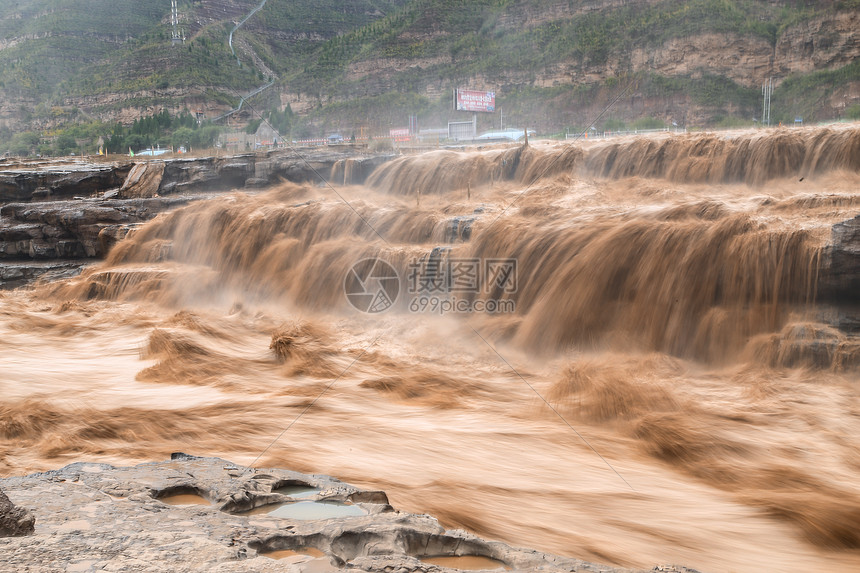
(766, 92)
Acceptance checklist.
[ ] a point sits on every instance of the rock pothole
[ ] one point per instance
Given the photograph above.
(199, 514)
(183, 495)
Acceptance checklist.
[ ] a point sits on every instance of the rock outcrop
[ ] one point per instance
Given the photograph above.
(14, 521)
(73, 229)
(143, 180)
(207, 514)
(59, 180)
(842, 273)
(57, 213)
(839, 280)
(14, 274)
(53, 180)
(110, 200)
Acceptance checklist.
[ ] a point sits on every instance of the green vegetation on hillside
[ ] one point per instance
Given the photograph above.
(448, 43)
(476, 38)
(375, 62)
(57, 38)
(801, 94)
(153, 64)
(159, 129)
(62, 48)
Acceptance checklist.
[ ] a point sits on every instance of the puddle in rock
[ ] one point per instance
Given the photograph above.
(319, 566)
(297, 490)
(284, 553)
(184, 499)
(308, 510)
(312, 560)
(466, 562)
(263, 509)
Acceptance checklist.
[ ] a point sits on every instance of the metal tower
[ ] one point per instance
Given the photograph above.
(178, 35)
(766, 92)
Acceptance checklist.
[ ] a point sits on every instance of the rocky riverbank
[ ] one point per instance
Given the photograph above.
(207, 514)
(41, 180)
(66, 212)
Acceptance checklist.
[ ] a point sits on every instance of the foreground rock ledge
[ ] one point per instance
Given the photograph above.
(96, 517)
(14, 520)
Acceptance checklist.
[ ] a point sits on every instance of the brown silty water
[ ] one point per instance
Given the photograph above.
(670, 306)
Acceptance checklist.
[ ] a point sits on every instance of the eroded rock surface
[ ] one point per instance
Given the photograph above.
(14, 274)
(842, 272)
(143, 180)
(73, 229)
(14, 521)
(95, 517)
(56, 180)
(65, 211)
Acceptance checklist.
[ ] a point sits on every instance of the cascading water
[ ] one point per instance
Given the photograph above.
(679, 300)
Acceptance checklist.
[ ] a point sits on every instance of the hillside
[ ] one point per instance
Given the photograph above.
(557, 63)
(554, 64)
(45, 42)
(63, 59)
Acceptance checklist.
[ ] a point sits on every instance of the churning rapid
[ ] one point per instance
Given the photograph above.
(683, 302)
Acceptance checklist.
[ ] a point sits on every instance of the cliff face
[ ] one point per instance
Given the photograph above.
(739, 60)
(821, 43)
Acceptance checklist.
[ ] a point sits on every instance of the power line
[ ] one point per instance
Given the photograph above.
(310, 166)
(540, 175)
(314, 401)
(551, 407)
(366, 222)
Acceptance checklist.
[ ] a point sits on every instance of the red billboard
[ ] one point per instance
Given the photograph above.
(474, 100)
(399, 134)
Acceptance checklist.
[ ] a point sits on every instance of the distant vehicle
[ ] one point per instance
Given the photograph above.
(334, 138)
(153, 152)
(510, 134)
